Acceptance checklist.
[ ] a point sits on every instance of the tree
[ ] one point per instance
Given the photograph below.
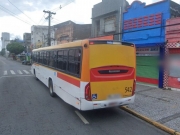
(15, 48)
(3, 52)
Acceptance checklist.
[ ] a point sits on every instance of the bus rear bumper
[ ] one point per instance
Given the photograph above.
(91, 105)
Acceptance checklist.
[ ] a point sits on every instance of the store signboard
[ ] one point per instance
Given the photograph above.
(150, 51)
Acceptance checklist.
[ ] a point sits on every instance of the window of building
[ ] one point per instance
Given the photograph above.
(110, 24)
(66, 38)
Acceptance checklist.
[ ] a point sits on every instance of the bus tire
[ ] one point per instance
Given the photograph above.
(51, 91)
(35, 75)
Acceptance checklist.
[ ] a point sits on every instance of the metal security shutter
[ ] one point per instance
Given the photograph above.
(110, 24)
(174, 68)
(147, 69)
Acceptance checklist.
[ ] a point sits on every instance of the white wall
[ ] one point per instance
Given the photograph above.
(5, 38)
(38, 35)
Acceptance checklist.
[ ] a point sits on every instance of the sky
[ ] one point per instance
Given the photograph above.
(78, 11)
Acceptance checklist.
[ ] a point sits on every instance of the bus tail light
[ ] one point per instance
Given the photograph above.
(88, 92)
(134, 87)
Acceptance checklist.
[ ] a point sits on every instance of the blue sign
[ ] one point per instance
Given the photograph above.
(94, 96)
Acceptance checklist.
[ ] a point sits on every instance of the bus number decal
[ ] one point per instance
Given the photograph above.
(128, 89)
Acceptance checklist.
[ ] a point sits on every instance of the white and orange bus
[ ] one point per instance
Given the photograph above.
(88, 74)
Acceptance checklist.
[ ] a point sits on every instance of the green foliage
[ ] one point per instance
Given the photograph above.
(15, 48)
(3, 52)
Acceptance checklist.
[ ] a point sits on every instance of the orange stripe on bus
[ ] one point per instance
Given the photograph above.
(69, 79)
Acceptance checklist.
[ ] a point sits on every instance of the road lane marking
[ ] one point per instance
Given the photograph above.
(5, 72)
(16, 76)
(19, 72)
(26, 71)
(31, 72)
(81, 117)
(12, 72)
(3, 62)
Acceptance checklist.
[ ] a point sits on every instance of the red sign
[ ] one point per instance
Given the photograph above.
(110, 37)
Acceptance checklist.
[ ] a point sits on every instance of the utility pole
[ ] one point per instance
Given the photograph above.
(49, 29)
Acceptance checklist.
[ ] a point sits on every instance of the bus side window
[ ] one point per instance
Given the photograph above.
(44, 59)
(51, 60)
(35, 57)
(42, 54)
(71, 64)
(65, 58)
(78, 60)
(47, 58)
(55, 59)
(60, 60)
(38, 57)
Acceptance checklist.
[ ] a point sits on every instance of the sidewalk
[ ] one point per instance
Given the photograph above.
(160, 105)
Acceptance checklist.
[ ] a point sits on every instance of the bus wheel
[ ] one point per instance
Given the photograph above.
(51, 91)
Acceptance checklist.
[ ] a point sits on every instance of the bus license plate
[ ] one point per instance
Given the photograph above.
(113, 104)
(115, 96)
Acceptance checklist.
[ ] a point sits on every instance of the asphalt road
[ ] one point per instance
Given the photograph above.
(26, 108)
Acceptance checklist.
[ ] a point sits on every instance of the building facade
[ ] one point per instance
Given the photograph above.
(39, 36)
(142, 25)
(27, 42)
(172, 70)
(107, 18)
(69, 31)
(5, 39)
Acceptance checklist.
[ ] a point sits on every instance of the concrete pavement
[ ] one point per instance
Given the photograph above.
(160, 105)
(26, 108)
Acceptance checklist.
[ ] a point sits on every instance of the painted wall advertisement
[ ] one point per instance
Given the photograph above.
(150, 51)
(174, 71)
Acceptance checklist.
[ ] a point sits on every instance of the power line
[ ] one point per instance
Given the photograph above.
(12, 14)
(21, 11)
(56, 9)
(56, 19)
(43, 22)
(68, 3)
(41, 18)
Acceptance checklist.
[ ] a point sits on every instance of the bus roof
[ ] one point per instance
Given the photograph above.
(79, 43)
(64, 45)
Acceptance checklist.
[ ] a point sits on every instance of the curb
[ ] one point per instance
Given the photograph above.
(152, 122)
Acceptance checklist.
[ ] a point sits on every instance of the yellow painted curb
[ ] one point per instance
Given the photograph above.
(156, 124)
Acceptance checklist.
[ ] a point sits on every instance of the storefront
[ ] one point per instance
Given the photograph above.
(172, 70)
(172, 76)
(147, 65)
